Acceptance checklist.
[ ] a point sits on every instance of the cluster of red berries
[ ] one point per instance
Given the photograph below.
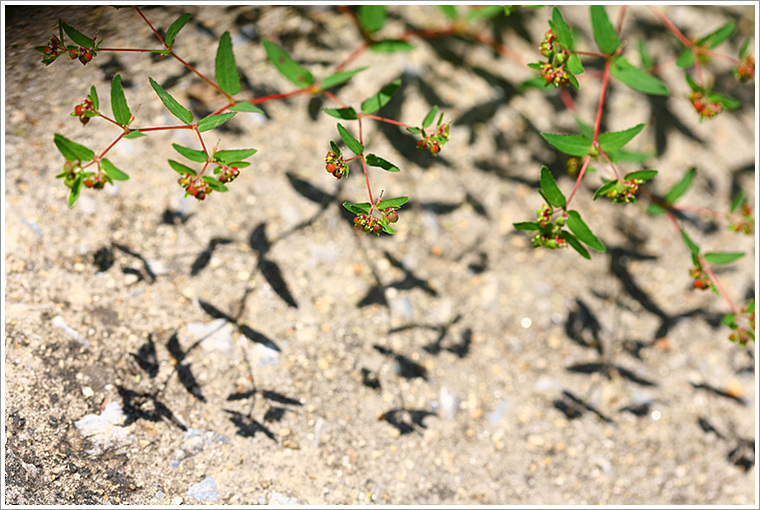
(194, 186)
(553, 70)
(745, 71)
(701, 279)
(436, 140)
(544, 215)
(626, 195)
(548, 45)
(55, 49)
(372, 223)
(744, 335)
(83, 54)
(549, 240)
(96, 181)
(549, 235)
(81, 110)
(746, 224)
(227, 173)
(335, 165)
(704, 107)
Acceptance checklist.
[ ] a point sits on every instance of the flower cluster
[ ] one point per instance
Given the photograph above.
(84, 111)
(627, 194)
(83, 54)
(743, 335)
(52, 51)
(335, 165)
(195, 186)
(436, 140)
(550, 233)
(227, 174)
(96, 181)
(553, 70)
(376, 221)
(746, 223)
(745, 71)
(704, 106)
(701, 279)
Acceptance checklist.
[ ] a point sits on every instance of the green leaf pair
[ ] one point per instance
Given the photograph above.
(581, 145)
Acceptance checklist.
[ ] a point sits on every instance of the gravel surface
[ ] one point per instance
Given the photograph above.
(251, 349)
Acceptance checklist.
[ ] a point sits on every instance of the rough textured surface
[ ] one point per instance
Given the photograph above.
(261, 353)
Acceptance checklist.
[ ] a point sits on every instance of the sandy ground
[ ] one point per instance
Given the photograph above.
(252, 349)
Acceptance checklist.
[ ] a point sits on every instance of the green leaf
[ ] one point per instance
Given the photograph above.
(340, 77)
(644, 175)
(372, 17)
(715, 38)
(573, 145)
(632, 156)
(191, 154)
(112, 172)
(77, 36)
(737, 201)
(430, 117)
(526, 225)
(574, 64)
(393, 202)
(213, 121)
(586, 130)
(685, 59)
(573, 81)
(362, 208)
(575, 244)
(171, 104)
(743, 52)
(299, 76)
(379, 162)
(352, 143)
(561, 30)
(550, 189)
(180, 168)
(414, 130)
(617, 139)
(119, 106)
(94, 97)
(227, 76)
(450, 11)
(175, 27)
(335, 148)
(604, 188)
(646, 59)
(693, 248)
(134, 134)
(388, 229)
(680, 187)
(485, 12)
(604, 33)
(72, 151)
(727, 102)
(341, 113)
(729, 320)
(245, 106)
(230, 156)
(76, 188)
(392, 46)
(693, 85)
(723, 257)
(379, 100)
(580, 229)
(215, 184)
(638, 79)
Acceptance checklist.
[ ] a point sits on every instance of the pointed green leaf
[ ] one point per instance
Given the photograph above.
(77, 36)
(76, 188)
(379, 100)
(526, 225)
(604, 33)
(340, 77)
(180, 168)
(119, 106)
(392, 46)
(414, 130)
(134, 134)
(586, 130)
(94, 97)
(693, 85)
(723, 257)
(171, 104)
(352, 143)
(550, 188)
(175, 27)
(630, 156)
(685, 59)
(191, 154)
(379, 162)
(573, 145)
(230, 156)
(112, 172)
(387, 228)
(743, 52)
(245, 106)
(561, 30)
(714, 39)
(215, 184)
(644, 175)
(581, 230)
(393, 202)
(299, 76)
(372, 17)
(485, 12)
(680, 187)
(693, 248)
(213, 121)
(227, 76)
(727, 102)
(604, 188)
(646, 59)
(430, 117)
(335, 148)
(575, 244)
(573, 81)
(574, 64)
(638, 79)
(72, 151)
(341, 113)
(729, 320)
(362, 208)
(737, 201)
(450, 11)
(613, 141)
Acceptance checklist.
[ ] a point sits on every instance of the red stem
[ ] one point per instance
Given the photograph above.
(714, 279)
(578, 180)
(161, 128)
(665, 21)
(389, 121)
(151, 27)
(602, 96)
